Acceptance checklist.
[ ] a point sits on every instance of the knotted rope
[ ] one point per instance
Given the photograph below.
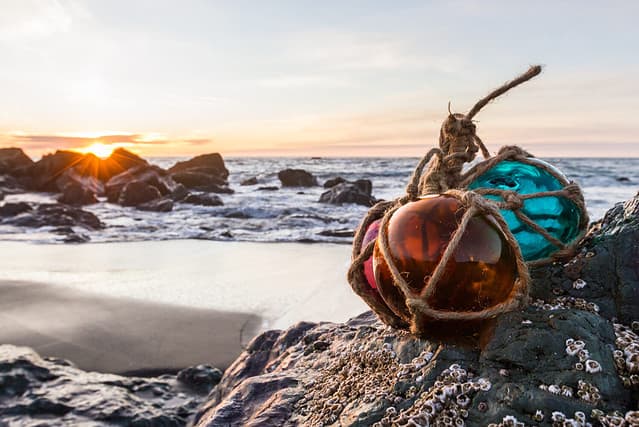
(458, 144)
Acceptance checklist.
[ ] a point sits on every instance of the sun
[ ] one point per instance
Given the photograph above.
(101, 150)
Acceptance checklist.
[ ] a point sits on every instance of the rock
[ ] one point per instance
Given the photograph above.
(196, 180)
(76, 194)
(10, 185)
(13, 209)
(333, 182)
(119, 161)
(249, 181)
(337, 233)
(37, 391)
(561, 355)
(152, 175)
(213, 188)
(623, 179)
(157, 205)
(211, 164)
(296, 178)
(203, 200)
(268, 188)
(179, 193)
(136, 193)
(87, 182)
(201, 377)
(52, 214)
(45, 172)
(358, 192)
(13, 161)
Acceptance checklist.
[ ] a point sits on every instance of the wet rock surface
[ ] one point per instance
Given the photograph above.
(37, 391)
(48, 214)
(152, 176)
(205, 172)
(296, 178)
(569, 358)
(358, 192)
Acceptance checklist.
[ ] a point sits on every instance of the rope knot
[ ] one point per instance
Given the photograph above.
(512, 200)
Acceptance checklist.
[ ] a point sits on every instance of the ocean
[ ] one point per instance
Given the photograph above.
(294, 214)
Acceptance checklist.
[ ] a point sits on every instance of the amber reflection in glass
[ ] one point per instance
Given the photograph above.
(371, 234)
(481, 273)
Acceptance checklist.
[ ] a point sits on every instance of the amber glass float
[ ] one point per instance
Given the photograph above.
(480, 274)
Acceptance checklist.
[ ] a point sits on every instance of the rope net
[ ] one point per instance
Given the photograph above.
(440, 172)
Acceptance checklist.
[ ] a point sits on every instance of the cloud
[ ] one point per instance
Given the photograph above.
(33, 19)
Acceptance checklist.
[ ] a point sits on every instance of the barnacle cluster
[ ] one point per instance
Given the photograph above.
(445, 403)
(508, 421)
(564, 302)
(626, 356)
(578, 348)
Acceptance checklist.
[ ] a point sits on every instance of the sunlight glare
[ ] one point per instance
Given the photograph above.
(101, 150)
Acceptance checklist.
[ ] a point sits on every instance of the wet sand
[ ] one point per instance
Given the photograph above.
(143, 306)
(119, 335)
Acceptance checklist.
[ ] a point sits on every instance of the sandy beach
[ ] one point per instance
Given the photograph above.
(161, 306)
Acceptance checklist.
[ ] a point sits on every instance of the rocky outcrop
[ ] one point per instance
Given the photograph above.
(44, 174)
(333, 182)
(48, 214)
(48, 391)
(358, 192)
(135, 193)
(296, 178)
(203, 200)
(569, 358)
(206, 172)
(76, 194)
(249, 181)
(13, 161)
(150, 175)
(157, 205)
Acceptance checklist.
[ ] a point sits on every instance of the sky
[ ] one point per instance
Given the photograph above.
(320, 78)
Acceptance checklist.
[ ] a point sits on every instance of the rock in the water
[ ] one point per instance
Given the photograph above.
(203, 200)
(358, 192)
(76, 194)
(37, 391)
(249, 181)
(13, 161)
(153, 176)
(211, 164)
(13, 209)
(135, 193)
(192, 179)
(333, 182)
(50, 214)
(268, 188)
(562, 359)
(179, 193)
(157, 205)
(296, 178)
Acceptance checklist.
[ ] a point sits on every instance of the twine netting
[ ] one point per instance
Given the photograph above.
(458, 145)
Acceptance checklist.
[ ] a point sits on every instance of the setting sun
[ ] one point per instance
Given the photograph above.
(101, 150)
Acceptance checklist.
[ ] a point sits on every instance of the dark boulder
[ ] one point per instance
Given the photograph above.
(40, 391)
(76, 194)
(268, 188)
(211, 164)
(203, 200)
(201, 377)
(179, 193)
(296, 178)
(333, 182)
(53, 215)
(13, 209)
(193, 179)
(136, 193)
(157, 205)
(568, 358)
(249, 181)
(45, 172)
(89, 182)
(119, 161)
(13, 161)
(358, 192)
(152, 175)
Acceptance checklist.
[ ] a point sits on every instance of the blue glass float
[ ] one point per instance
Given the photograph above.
(558, 215)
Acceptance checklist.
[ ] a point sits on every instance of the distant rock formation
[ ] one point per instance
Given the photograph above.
(205, 172)
(296, 178)
(358, 192)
